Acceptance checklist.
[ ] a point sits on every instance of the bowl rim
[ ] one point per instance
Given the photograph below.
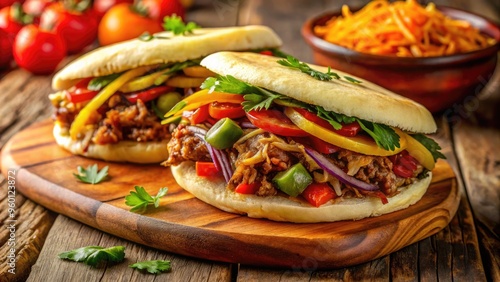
(333, 49)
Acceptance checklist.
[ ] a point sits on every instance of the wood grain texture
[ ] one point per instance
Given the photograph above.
(32, 223)
(190, 227)
(50, 268)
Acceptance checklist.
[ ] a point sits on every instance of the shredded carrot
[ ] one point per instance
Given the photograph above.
(404, 29)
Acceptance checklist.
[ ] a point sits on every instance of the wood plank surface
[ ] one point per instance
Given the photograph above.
(467, 250)
(185, 225)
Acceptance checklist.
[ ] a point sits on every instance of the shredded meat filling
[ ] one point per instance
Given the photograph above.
(115, 121)
(184, 146)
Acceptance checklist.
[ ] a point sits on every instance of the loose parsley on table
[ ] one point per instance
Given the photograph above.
(93, 255)
(153, 266)
(91, 174)
(140, 199)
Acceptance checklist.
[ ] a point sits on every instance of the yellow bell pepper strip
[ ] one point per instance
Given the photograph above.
(142, 82)
(198, 71)
(419, 152)
(360, 144)
(199, 99)
(78, 124)
(182, 81)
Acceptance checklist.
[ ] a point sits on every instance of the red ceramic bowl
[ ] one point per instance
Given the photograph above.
(435, 82)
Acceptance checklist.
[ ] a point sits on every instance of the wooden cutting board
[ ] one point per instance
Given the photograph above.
(185, 225)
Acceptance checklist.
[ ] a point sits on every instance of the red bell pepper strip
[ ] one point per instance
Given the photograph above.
(205, 169)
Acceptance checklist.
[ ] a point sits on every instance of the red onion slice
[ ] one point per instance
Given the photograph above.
(339, 173)
(219, 157)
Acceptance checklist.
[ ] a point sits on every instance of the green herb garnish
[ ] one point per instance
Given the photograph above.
(257, 98)
(175, 24)
(431, 145)
(146, 36)
(98, 83)
(140, 199)
(153, 266)
(93, 255)
(91, 174)
(294, 63)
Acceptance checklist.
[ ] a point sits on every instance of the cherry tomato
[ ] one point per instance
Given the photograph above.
(149, 94)
(5, 50)
(12, 20)
(197, 116)
(275, 122)
(348, 130)
(38, 51)
(318, 194)
(122, 23)
(36, 7)
(102, 6)
(222, 110)
(6, 3)
(158, 9)
(245, 188)
(206, 169)
(78, 29)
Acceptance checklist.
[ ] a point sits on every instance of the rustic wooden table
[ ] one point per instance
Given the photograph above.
(468, 249)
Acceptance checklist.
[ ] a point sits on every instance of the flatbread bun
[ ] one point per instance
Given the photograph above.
(364, 100)
(213, 191)
(134, 53)
(124, 151)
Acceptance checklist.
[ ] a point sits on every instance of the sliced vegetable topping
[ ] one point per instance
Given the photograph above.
(318, 194)
(197, 116)
(206, 169)
(294, 180)
(167, 101)
(420, 152)
(339, 173)
(148, 94)
(245, 188)
(198, 71)
(275, 122)
(219, 110)
(78, 124)
(360, 144)
(224, 134)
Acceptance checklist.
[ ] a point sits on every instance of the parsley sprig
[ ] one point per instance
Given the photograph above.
(140, 199)
(294, 63)
(91, 174)
(153, 266)
(175, 24)
(93, 255)
(257, 98)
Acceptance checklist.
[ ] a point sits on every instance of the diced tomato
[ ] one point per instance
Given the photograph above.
(318, 194)
(206, 169)
(245, 188)
(267, 52)
(148, 94)
(323, 146)
(275, 122)
(222, 110)
(197, 116)
(403, 164)
(348, 130)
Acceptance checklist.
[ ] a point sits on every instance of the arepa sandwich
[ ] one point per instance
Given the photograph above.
(300, 143)
(109, 102)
